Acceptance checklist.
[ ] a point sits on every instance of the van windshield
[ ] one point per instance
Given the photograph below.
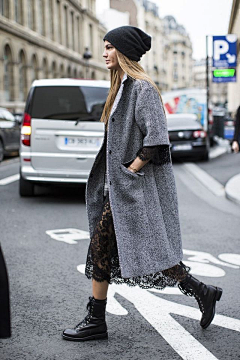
(83, 103)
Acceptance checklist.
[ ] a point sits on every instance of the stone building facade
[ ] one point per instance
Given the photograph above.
(47, 39)
(169, 62)
(234, 28)
(177, 55)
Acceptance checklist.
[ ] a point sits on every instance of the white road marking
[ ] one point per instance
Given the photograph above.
(9, 179)
(204, 257)
(218, 151)
(149, 305)
(230, 258)
(200, 269)
(69, 236)
(208, 181)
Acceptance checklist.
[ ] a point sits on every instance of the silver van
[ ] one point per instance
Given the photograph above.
(61, 133)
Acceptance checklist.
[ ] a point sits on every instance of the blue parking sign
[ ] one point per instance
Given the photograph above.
(225, 51)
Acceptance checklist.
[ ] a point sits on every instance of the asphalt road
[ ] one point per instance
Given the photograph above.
(222, 168)
(49, 291)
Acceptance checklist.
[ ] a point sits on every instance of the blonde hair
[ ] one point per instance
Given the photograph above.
(133, 70)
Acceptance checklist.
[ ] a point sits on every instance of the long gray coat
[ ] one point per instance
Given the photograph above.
(144, 204)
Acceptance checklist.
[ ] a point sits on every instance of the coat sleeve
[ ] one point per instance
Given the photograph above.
(150, 116)
(151, 119)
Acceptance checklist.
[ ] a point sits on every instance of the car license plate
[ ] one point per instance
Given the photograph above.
(182, 147)
(82, 142)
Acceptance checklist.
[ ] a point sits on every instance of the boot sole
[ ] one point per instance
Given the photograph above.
(217, 297)
(91, 337)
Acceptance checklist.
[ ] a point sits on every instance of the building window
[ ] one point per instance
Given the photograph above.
(30, 14)
(69, 71)
(54, 70)
(50, 20)
(45, 68)
(4, 8)
(22, 76)
(91, 37)
(61, 71)
(66, 25)
(34, 68)
(8, 73)
(40, 17)
(18, 11)
(58, 19)
(175, 76)
(78, 35)
(73, 35)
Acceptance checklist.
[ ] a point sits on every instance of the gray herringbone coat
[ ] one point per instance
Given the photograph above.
(144, 205)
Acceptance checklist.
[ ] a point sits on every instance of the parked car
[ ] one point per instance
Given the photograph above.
(18, 117)
(187, 136)
(61, 133)
(9, 134)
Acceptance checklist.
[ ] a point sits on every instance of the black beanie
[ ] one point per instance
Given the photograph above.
(130, 41)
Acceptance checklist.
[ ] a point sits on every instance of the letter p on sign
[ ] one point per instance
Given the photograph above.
(220, 47)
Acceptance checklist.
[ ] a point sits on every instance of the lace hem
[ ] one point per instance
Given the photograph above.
(159, 280)
(158, 155)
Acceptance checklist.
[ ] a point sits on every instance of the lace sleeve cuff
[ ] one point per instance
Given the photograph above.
(158, 155)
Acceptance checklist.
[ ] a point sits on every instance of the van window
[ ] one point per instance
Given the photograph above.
(83, 103)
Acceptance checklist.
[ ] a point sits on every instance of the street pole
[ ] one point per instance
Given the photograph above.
(207, 83)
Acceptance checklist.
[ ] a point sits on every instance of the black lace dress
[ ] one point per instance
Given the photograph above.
(102, 259)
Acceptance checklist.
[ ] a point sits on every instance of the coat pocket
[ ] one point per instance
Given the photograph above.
(137, 174)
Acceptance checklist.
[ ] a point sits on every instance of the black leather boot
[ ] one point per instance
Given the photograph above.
(93, 326)
(206, 296)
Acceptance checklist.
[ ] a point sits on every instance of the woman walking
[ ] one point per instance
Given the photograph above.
(131, 195)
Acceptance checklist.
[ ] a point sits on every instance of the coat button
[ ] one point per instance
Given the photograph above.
(110, 182)
(110, 151)
(113, 119)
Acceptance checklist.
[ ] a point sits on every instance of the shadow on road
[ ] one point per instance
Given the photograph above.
(58, 194)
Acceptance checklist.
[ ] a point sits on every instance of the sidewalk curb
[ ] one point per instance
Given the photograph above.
(232, 189)
(222, 147)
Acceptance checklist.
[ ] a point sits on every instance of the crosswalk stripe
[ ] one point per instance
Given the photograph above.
(9, 179)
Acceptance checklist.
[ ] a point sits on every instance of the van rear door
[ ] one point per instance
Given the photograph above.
(66, 132)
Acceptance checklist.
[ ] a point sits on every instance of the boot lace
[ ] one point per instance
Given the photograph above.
(186, 290)
(200, 303)
(87, 318)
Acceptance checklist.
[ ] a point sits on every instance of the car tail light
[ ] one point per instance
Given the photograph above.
(26, 130)
(210, 117)
(199, 134)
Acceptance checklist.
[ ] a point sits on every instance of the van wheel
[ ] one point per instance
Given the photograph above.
(1, 151)
(26, 188)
